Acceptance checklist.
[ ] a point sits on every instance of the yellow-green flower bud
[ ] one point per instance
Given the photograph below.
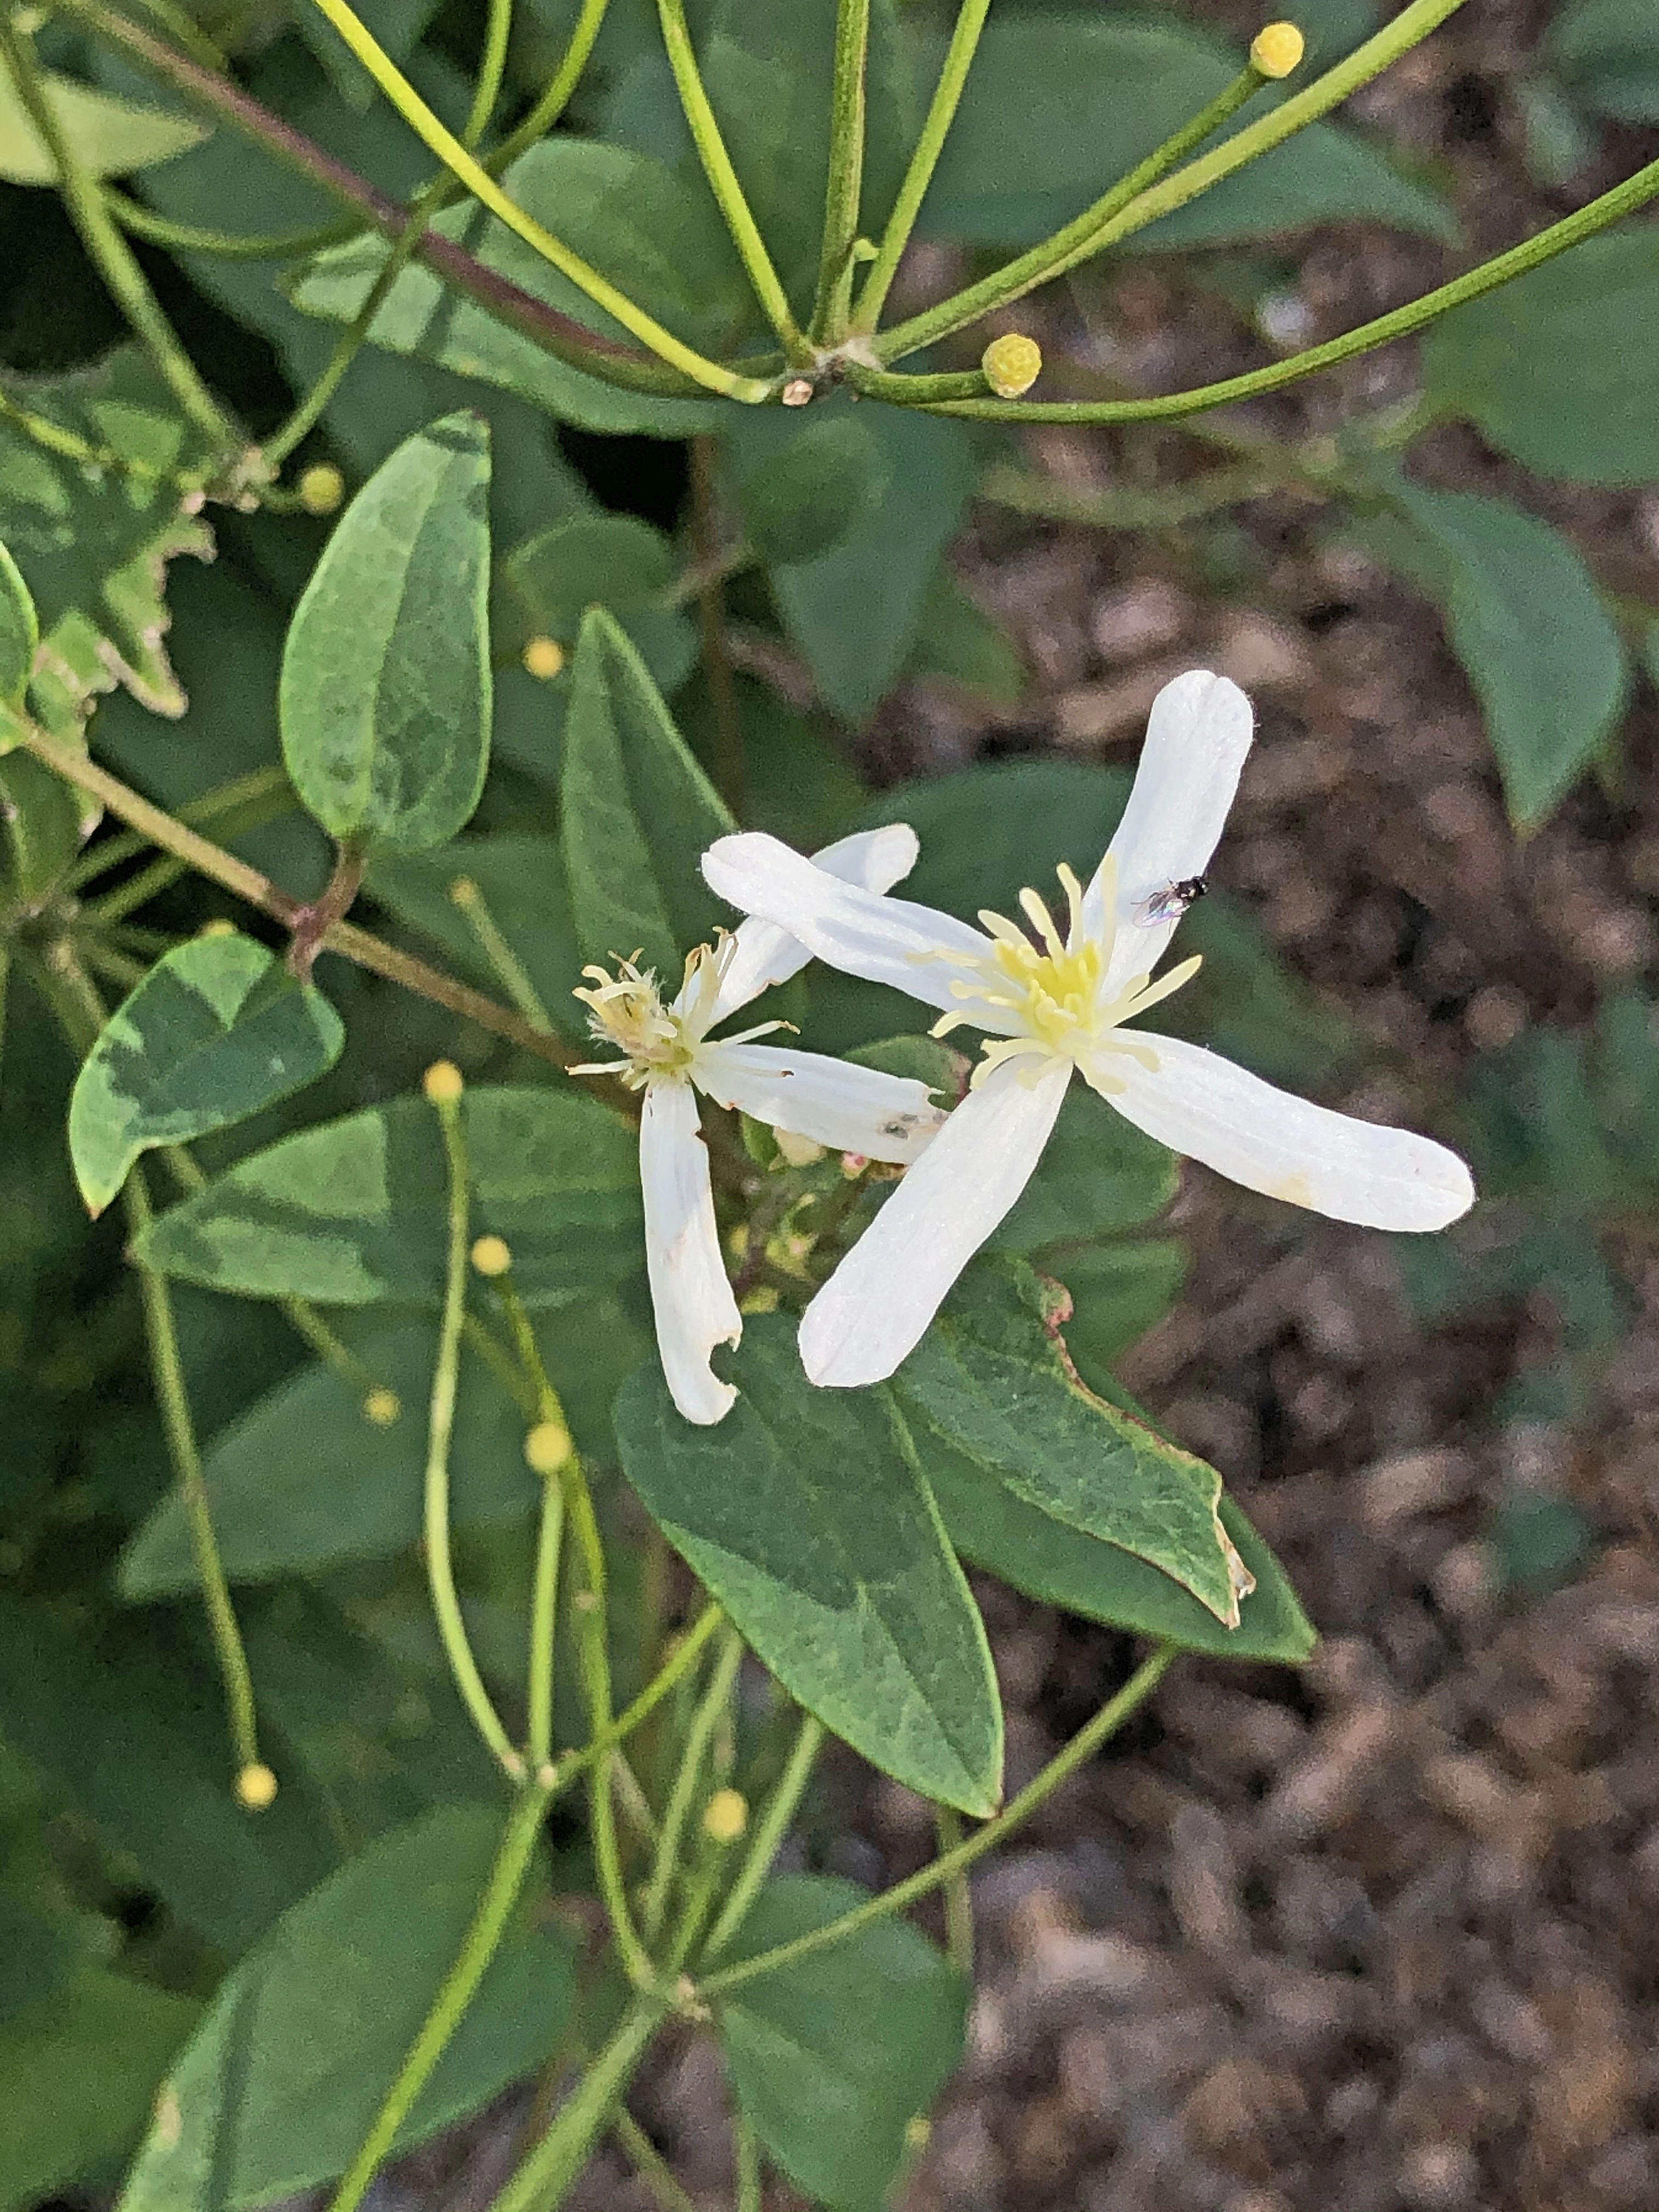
(382, 1406)
(725, 1816)
(547, 1447)
(1276, 48)
(442, 1083)
(321, 489)
(491, 1255)
(256, 1788)
(543, 656)
(1012, 364)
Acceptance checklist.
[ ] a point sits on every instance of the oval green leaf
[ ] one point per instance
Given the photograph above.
(216, 1030)
(354, 1212)
(805, 1515)
(112, 136)
(386, 688)
(20, 632)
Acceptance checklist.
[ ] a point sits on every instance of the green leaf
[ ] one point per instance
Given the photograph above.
(111, 136)
(273, 1478)
(77, 2080)
(386, 686)
(992, 1525)
(96, 541)
(636, 811)
(624, 213)
(277, 2087)
(993, 1378)
(1525, 619)
(798, 783)
(1098, 1176)
(1055, 108)
(854, 611)
(805, 1516)
(20, 632)
(124, 1714)
(614, 561)
(959, 644)
(813, 491)
(1554, 368)
(1608, 51)
(216, 1030)
(354, 1212)
(832, 2059)
(521, 883)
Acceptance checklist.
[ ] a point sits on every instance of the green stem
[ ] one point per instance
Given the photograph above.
(723, 182)
(459, 1987)
(936, 125)
(113, 258)
(492, 68)
(958, 1900)
(559, 334)
(1077, 1754)
(508, 970)
(543, 1610)
(770, 1833)
(439, 1567)
(845, 188)
(225, 802)
(556, 98)
(715, 1699)
(550, 2169)
(174, 1399)
(443, 143)
(56, 439)
(673, 1671)
(1024, 492)
(649, 2164)
(1095, 230)
(1623, 199)
(746, 2145)
(229, 245)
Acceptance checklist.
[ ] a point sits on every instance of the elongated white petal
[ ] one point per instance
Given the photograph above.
(1197, 738)
(763, 954)
(1270, 1140)
(691, 1296)
(850, 1108)
(886, 940)
(875, 1308)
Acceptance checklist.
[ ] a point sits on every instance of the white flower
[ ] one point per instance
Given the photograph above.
(1053, 1004)
(668, 1053)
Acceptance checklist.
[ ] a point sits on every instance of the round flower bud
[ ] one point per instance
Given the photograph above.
(1276, 48)
(442, 1083)
(256, 1788)
(382, 1406)
(321, 489)
(1012, 364)
(219, 928)
(725, 1816)
(543, 656)
(491, 1255)
(547, 1447)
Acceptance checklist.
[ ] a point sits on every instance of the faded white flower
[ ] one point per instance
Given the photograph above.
(668, 1053)
(1053, 1002)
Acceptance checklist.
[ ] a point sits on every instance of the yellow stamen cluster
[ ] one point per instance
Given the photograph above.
(1053, 986)
(626, 1010)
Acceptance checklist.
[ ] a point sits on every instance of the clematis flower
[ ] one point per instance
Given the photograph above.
(1054, 1003)
(668, 1053)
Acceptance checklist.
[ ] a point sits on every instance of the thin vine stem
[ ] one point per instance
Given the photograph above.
(723, 180)
(747, 2153)
(650, 2164)
(111, 254)
(443, 1090)
(936, 125)
(844, 189)
(705, 1718)
(543, 1621)
(442, 143)
(1608, 207)
(459, 1986)
(770, 1833)
(550, 2169)
(1077, 1754)
(226, 245)
(958, 1900)
(1409, 28)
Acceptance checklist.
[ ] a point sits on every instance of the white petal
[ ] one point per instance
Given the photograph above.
(691, 1296)
(1197, 738)
(875, 1308)
(1270, 1140)
(763, 954)
(850, 1108)
(886, 940)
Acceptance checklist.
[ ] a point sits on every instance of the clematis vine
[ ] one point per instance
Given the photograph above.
(1053, 1002)
(668, 1053)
